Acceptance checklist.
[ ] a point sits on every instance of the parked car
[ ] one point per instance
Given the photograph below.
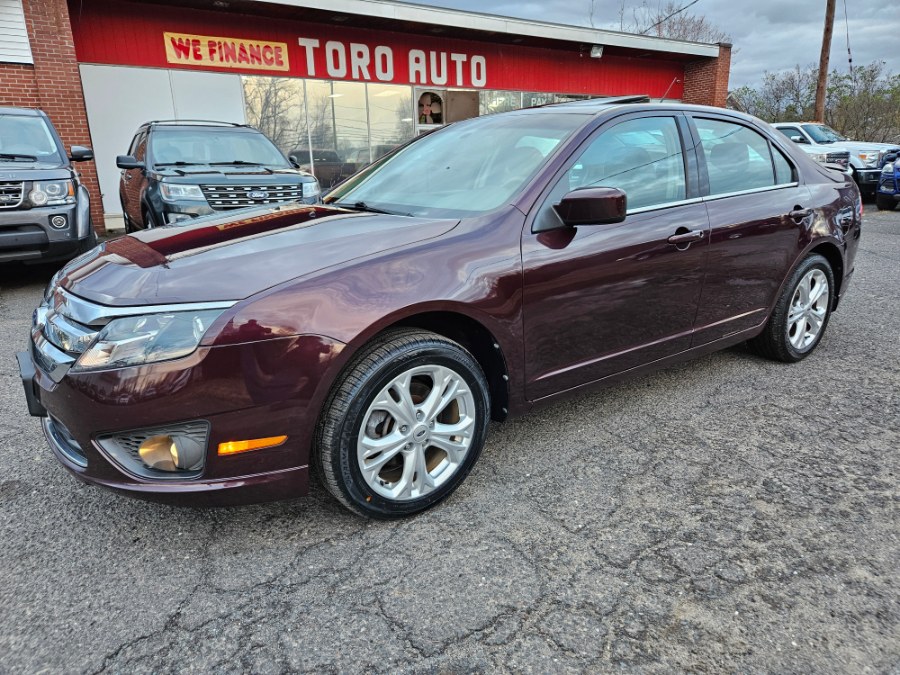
(327, 166)
(888, 195)
(547, 251)
(45, 211)
(866, 159)
(180, 169)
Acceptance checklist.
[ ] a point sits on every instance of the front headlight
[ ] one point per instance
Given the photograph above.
(311, 188)
(869, 158)
(52, 192)
(173, 192)
(135, 340)
(888, 168)
(820, 157)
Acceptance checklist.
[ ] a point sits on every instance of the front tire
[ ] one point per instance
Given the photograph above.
(801, 315)
(885, 202)
(404, 425)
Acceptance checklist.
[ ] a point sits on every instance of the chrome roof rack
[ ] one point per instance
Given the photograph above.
(604, 100)
(211, 123)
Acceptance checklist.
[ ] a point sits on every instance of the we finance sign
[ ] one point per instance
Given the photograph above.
(223, 52)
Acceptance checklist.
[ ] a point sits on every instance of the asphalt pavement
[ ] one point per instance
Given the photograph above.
(729, 514)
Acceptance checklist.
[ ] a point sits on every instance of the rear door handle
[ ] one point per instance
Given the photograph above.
(800, 213)
(686, 237)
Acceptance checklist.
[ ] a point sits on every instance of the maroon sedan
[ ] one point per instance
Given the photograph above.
(480, 271)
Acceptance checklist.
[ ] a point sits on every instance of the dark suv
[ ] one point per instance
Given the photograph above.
(180, 169)
(45, 211)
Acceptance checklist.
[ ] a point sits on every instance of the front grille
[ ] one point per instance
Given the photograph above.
(842, 158)
(887, 185)
(11, 194)
(225, 197)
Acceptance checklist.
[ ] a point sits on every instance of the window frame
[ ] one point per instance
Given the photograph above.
(770, 142)
(688, 154)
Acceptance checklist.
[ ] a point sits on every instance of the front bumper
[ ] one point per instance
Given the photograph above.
(250, 390)
(868, 177)
(28, 234)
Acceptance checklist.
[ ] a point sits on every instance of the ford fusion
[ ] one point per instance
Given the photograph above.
(476, 273)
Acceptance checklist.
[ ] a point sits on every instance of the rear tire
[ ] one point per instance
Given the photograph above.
(801, 314)
(884, 202)
(403, 426)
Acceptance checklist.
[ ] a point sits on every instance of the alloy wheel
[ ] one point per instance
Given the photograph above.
(809, 308)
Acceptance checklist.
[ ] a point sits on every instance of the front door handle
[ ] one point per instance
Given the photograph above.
(686, 237)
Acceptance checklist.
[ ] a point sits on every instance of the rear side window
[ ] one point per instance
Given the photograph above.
(737, 158)
(784, 173)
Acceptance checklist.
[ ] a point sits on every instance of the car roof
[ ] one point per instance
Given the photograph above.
(25, 112)
(638, 103)
(194, 124)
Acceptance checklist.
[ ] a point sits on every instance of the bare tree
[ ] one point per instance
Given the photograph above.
(275, 106)
(668, 20)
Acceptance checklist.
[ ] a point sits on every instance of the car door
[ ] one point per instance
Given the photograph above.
(602, 299)
(756, 209)
(132, 181)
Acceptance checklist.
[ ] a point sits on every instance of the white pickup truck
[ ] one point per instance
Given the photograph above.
(866, 159)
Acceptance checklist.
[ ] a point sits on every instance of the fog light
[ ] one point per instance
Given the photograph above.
(171, 453)
(59, 222)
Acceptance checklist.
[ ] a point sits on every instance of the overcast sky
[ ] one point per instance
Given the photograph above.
(771, 35)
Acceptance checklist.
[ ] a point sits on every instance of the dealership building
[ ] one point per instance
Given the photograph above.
(325, 79)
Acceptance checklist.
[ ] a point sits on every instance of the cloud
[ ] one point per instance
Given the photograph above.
(768, 35)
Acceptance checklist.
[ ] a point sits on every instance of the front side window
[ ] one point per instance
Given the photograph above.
(737, 158)
(465, 169)
(213, 146)
(642, 157)
(27, 139)
(790, 132)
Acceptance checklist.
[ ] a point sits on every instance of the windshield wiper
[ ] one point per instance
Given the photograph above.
(16, 156)
(236, 161)
(362, 206)
(179, 164)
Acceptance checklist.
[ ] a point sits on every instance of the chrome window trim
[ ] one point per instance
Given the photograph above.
(665, 205)
(95, 314)
(768, 188)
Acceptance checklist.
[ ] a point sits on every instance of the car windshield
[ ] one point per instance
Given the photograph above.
(214, 146)
(27, 139)
(465, 169)
(821, 133)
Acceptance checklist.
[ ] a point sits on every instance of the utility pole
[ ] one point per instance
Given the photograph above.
(823, 61)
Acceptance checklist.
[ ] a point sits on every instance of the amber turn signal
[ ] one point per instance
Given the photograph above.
(234, 447)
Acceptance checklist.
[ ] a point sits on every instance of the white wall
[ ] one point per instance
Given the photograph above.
(119, 99)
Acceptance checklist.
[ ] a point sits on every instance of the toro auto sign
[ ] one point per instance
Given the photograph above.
(335, 59)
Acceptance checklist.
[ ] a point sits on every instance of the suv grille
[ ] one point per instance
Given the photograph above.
(224, 197)
(842, 158)
(11, 194)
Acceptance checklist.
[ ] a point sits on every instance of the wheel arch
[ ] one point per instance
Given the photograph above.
(832, 254)
(478, 340)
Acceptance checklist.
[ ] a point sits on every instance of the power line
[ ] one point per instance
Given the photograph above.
(849, 53)
(677, 11)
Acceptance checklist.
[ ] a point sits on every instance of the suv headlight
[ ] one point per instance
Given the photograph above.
(173, 192)
(311, 188)
(888, 168)
(869, 158)
(52, 192)
(135, 340)
(820, 157)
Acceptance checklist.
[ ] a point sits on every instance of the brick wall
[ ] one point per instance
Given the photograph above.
(54, 85)
(706, 80)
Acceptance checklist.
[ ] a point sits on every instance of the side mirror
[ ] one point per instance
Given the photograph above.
(294, 161)
(79, 153)
(890, 157)
(798, 139)
(592, 206)
(128, 162)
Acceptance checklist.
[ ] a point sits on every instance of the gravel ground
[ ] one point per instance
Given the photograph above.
(730, 514)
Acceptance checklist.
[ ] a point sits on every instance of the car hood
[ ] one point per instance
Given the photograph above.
(233, 258)
(855, 147)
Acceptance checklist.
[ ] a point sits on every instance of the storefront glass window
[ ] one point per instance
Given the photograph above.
(277, 107)
(391, 120)
(499, 101)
